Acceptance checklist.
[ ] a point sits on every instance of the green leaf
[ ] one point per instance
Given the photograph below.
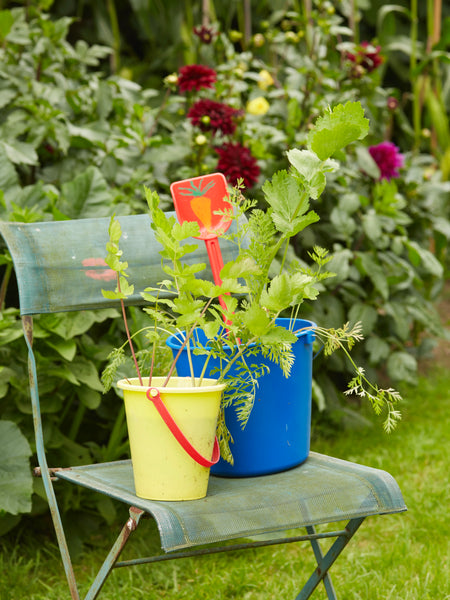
(6, 22)
(288, 204)
(378, 349)
(256, 320)
(282, 194)
(16, 483)
(372, 225)
(65, 347)
(337, 128)
(311, 170)
(185, 230)
(88, 195)
(9, 181)
(85, 372)
(6, 96)
(366, 163)
(364, 313)
(89, 397)
(241, 267)
(20, 153)
(420, 256)
(374, 271)
(402, 366)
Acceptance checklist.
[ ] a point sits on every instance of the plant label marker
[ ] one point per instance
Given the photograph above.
(197, 200)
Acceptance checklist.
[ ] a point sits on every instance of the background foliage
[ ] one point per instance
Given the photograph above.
(90, 111)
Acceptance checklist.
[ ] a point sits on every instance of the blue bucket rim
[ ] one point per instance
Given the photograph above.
(174, 342)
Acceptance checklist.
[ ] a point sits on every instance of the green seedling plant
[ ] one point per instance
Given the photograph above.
(258, 286)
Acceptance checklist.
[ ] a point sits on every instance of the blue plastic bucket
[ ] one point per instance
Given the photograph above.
(277, 434)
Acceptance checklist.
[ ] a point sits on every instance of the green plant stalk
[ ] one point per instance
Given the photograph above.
(129, 338)
(183, 345)
(117, 434)
(286, 237)
(4, 286)
(77, 420)
(115, 57)
(414, 80)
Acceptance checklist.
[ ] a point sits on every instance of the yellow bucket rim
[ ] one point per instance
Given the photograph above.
(183, 385)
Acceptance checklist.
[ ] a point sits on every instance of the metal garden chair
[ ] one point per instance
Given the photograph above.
(55, 265)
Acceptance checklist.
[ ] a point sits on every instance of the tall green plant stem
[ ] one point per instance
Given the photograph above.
(183, 345)
(115, 57)
(417, 91)
(4, 286)
(286, 238)
(130, 341)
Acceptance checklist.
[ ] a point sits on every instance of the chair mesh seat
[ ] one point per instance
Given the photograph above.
(321, 490)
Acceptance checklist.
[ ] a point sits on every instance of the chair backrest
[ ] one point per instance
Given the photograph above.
(60, 264)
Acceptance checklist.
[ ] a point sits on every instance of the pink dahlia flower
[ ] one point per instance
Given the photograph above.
(388, 158)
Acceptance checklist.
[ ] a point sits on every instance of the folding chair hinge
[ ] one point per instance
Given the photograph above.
(37, 472)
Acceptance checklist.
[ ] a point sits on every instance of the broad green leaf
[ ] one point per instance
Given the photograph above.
(369, 266)
(337, 128)
(93, 134)
(378, 349)
(401, 320)
(278, 334)
(9, 181)
(402, 366)
(278, 294)
(185, 230)
(65, 347)
(311, 169)
(420, 256)
(20, 153)
(372, 225)
(5, 375)
(286, 290)
(89, 397)
(211, 329)
(6, 96)
(230, 286)
(342, 222)
(85, 372)
(283, 195)
(340, 264)
(256, 320)
(88, 195)
(366, 163)
(16, 482)
(6, 22)
(364, 313)
(241, 267)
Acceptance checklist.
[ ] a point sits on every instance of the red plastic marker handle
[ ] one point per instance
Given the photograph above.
(216, 261)
(153, 396)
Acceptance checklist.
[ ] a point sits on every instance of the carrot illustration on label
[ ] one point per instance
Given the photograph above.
(200, 204)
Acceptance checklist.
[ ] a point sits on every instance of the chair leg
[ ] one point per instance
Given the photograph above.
(324, 563)
(114, 553)
(319, 557)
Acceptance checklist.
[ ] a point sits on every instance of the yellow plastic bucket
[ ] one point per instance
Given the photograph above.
(162, 469)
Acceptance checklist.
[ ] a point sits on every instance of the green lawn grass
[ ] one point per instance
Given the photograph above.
(401, 557)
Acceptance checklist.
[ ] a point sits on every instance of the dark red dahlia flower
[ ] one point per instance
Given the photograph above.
(205, 34)
(366, 58)
(236, 162)
(388, 158)
(213, 116)
(196, 77)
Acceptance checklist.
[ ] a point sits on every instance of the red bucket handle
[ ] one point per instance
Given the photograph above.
(153, 396)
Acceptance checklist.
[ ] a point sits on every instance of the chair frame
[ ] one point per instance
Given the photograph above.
(26, 260)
